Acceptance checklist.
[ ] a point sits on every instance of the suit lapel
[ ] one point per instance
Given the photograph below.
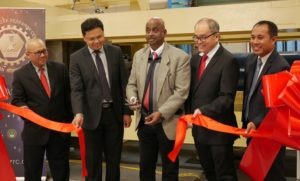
(208, 68)
(89, 62)
(35, 78)
(52, 78)
(142, 70)
(163, 70)
(265, 69)
(109, 59)
(195, 62)
(251, 71)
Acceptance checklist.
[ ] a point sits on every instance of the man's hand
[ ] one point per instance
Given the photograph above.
(250, 127)
(196, 112)
(153, 118)
(127, 121)
(134, 104)
(78, 120)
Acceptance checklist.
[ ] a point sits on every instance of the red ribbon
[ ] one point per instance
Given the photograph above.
(281, 126)
(6, 170)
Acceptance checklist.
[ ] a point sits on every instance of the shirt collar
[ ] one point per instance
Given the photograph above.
(265, 58)
(212, 52)
(92, 51)
(159, 50)
(37, 69)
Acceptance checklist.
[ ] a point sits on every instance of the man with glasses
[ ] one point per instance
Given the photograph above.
(98, 79)
(214, 82)
(43, 87)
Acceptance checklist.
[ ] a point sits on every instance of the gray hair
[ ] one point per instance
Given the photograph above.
(212, 24)
(32, 41)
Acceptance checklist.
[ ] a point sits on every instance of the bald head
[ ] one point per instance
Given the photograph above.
(212, 24)
(36, 52)
(155, 32)
(34, 42)
(157, 20)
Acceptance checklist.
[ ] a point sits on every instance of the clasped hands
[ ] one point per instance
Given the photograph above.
(150, 119)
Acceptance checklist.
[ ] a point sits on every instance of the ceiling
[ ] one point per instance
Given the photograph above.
(103, 6)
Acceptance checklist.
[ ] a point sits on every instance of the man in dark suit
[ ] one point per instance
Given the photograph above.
(43, 87)
(98, 79)
(167, 90)
(264, 60)
(214, 81)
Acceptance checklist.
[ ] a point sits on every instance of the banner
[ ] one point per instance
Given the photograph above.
(16, 27)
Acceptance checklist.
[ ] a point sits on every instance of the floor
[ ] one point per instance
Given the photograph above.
(190, 169)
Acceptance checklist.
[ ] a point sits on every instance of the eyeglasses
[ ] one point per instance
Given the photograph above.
(39, 53)
(202, 38)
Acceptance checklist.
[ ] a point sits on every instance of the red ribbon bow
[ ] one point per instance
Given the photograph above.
(281, 126)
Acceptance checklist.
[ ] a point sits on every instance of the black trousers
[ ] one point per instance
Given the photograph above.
(152, 139)
(57, 152)
(217, 161)
(106, 139)
(277, 170)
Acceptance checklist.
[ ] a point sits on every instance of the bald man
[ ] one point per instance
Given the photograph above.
(43, 87)
(157, 89)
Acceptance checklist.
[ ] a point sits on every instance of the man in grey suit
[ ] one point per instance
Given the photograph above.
(214, 83)
(98, 82)
(264, 60)
(157, 88)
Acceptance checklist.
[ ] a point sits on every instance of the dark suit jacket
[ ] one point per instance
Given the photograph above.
(28, 91)
(257, 108)
(214, 94)
(86, 93)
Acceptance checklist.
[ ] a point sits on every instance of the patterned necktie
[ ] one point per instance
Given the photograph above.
(253, 85)
(44, 81)
(202, 65)
(147, 97)
(103, 81)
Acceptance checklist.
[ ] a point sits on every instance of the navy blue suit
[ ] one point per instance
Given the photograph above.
(257, 109)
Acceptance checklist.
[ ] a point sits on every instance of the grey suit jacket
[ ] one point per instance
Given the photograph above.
(172, 84)
(257, 108)
(86, 95)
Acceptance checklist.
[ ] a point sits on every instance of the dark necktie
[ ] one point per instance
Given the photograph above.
(202, 65)
(103, 81)
(253, 85)
(44, 81)
(147, 101)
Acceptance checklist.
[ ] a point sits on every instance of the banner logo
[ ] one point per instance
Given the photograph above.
(13, 36)
(11, 133)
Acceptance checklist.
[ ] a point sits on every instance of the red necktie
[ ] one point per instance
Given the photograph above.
(45, 82)
(146, 101)
(202, 65)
